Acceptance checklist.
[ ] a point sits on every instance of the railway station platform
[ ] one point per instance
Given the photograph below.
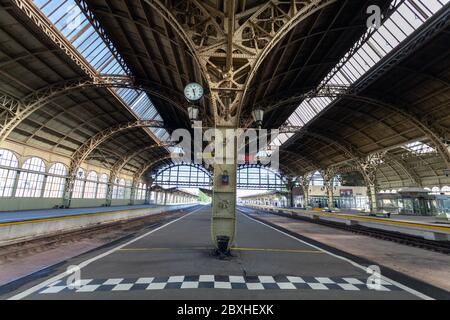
(175, 261)
(19, 226)
(429, 228)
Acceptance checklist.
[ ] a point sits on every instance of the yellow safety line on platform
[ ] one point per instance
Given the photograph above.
(401, 223)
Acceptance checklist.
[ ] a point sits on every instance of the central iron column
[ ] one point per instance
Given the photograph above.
(223, 222)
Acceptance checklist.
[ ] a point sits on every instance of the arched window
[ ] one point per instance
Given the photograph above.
(138, 194)
(317, 179)
(90, 189)
(102, 187)
(127, 192)
(144, 191)
(79, 184)
(259, 178)
(183, 175)
(121, 189)
(31, 179)
(435, 190)
(54, 187)
(7, 176)
(115, 193)
(445, 189)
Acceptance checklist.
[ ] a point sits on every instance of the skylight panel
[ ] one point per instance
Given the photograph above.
(419, 148)
(71, 22)
(409, 16)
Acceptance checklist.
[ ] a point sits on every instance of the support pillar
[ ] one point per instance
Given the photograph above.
(68, 190)
(133, 193)
(372, 192)
(290, 199)
(224, 189)
(328, 177)
(369, 167)
(305, 182)
(110, 188)
(148, 195)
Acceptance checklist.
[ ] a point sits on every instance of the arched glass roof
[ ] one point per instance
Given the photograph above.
(71, 22)
(259, 178)
(408, 17)
(183, 175)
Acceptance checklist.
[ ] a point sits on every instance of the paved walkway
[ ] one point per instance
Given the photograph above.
(175, 262)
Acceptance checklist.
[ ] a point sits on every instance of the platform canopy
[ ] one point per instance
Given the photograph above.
(102, 81)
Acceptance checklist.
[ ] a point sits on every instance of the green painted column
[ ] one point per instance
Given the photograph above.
(68, 190)
(133, 193)
(223, 222)
(372, 191)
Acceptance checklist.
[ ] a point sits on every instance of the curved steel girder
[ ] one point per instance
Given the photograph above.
(216, 46)
(41, 22)
(193, 165)
(427, 126)
(80, 155)
(391, 160)
(366, 164)
(7, 105)
(16, 111)
(305, 181)
(167, 15)
(289, 97)
(107, 152)
(139, 173)
(121, 163)
(410, 172)
(295, 17)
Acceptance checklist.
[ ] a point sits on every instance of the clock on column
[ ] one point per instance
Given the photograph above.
(193, 92)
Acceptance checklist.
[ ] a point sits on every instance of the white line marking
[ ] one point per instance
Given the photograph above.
(405, 288)
(44, 284)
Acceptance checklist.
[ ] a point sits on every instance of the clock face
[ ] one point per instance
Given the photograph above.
(193, 91)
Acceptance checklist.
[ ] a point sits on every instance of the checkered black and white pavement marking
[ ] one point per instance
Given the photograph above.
(216, 282)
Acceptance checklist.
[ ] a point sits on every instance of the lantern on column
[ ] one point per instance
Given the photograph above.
(258, 116)
(193, 112)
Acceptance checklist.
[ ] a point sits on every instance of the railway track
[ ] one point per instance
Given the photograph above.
(109, 231)
(437, 246)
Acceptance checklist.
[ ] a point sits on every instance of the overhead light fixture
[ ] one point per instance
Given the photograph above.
(258, 116)
(193, 112)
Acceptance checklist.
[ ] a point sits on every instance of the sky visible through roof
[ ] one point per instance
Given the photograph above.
(408, 17)
(77, 29)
